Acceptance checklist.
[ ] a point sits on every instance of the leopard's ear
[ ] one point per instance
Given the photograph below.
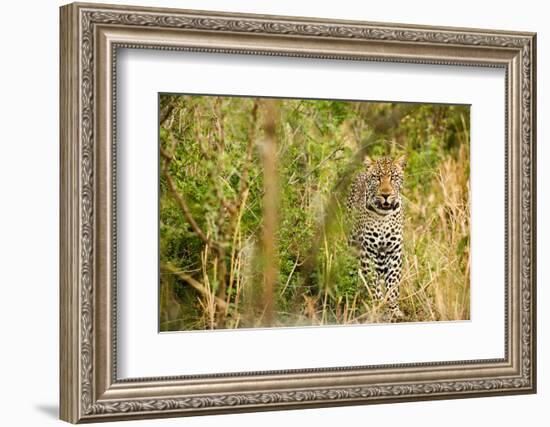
(401, 161)
(368, 162)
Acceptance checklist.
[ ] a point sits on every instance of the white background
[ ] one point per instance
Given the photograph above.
(29, 171)
(143, 352)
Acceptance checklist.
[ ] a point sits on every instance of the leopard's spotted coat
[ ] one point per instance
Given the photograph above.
(376, 207)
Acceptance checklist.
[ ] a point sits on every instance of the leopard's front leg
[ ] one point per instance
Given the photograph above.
(374, 280)
(393, 282)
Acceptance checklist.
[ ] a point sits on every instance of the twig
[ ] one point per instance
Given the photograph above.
(187, 213)
(168, 157)
(166, 154)
(195, 284)
(166, 111)
(290, 275)
(294, 181)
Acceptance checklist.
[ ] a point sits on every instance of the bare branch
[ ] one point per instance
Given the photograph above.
(294, 181)
(195, 284)
(166, 154)
(186, 211)
(165, 113)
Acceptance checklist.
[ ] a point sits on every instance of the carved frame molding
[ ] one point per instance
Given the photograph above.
(90, 37)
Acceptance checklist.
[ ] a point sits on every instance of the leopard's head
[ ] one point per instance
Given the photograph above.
(384, 182)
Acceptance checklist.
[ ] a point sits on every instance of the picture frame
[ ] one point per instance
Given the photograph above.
(91, 36)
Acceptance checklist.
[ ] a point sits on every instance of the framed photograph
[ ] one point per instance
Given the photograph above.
(265, 212)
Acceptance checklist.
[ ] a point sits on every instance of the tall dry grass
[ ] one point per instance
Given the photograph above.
(436, 274)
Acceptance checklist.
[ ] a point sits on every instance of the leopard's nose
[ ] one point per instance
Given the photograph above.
(386, 196)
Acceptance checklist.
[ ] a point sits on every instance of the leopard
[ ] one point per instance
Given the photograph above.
(375, 205)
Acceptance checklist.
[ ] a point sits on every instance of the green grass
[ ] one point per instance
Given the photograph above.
(215, 198)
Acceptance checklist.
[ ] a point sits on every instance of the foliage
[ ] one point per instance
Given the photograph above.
(215, 198)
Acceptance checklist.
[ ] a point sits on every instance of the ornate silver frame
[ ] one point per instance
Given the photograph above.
(90, 36)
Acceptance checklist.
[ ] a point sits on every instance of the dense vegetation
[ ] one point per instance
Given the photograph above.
(253, 226)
